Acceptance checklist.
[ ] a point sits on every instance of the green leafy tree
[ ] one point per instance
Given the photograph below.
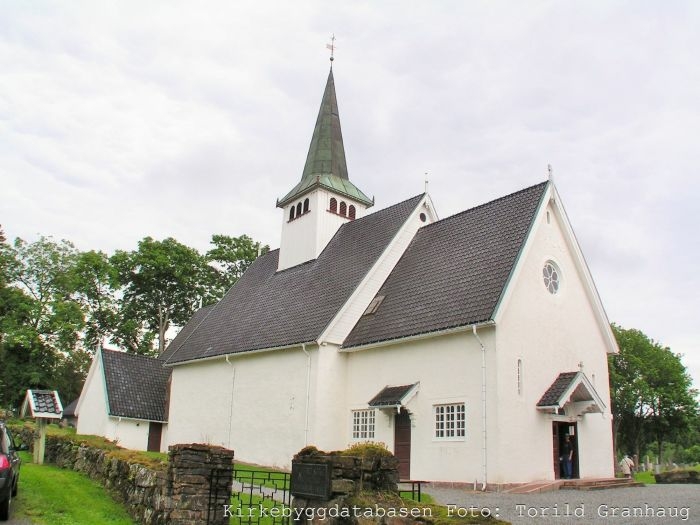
(163, 284)
(94, 282)
(651, 393)
(232, 256)
(40, 323)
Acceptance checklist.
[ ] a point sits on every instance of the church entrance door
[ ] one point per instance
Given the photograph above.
(402, 443)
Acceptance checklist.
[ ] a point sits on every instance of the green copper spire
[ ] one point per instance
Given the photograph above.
(325, 163)
(326, 152)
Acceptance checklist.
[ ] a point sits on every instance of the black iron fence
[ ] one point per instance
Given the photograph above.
(260, 497)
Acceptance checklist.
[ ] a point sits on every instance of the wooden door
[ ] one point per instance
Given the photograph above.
(555, 447)
(155, 431)
(402, 443)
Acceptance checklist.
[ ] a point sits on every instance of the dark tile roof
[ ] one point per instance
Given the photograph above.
(185, 332)
(69, 411)
(269, 309)
(554, 392)
(390, 396)
(136, 385)
(454, 271)
(46, 401)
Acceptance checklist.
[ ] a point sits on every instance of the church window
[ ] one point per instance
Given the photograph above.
(334, 205)
(374, 305)
(363, 424)
(298, 209)
(423, 217)
(291, 213)
(552, 277)
(520, 377)
(306, 205)
(343, 208)
(450, 421)
(351, 212)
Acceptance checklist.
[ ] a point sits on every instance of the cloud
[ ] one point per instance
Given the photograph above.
(124, 119)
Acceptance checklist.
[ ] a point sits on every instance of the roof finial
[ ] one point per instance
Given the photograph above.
(550, 173)
(426, 182)
(331, 46)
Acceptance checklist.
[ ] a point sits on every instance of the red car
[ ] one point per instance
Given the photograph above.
(9, 471)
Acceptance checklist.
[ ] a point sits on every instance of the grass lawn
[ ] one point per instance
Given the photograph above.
(56, 496)
(645, 477)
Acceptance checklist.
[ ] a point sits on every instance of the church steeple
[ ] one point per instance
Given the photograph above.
(325, 162)
(326, 152)
(324, 199)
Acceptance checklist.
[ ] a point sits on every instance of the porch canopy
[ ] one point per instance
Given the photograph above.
(394, 396)
(571, 394)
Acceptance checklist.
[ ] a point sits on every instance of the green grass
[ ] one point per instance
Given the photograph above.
(424, 498)
(54, 496)
(645, 477)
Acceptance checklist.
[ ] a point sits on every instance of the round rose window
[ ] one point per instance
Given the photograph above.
(552, 277)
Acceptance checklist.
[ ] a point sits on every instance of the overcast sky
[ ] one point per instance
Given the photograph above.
(124, 119)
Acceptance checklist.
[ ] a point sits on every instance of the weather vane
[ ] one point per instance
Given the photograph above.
(331, 46)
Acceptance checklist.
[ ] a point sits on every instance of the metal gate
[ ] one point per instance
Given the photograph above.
(260, 497)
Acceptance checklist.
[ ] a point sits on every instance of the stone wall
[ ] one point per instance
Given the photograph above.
(365, 480)
(678, 476)
(178, 494)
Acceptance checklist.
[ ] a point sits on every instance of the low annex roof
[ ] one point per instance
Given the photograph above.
(136, 385)
(267, 308)
(453, 272)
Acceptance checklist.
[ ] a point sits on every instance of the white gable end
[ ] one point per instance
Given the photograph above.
(560, 241)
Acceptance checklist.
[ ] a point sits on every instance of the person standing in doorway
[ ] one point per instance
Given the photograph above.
(568, 454)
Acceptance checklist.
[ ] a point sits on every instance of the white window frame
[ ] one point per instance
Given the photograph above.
(450, 421)
(363, 424)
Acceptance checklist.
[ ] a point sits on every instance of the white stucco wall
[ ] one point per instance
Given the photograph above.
(128, 433)
(92, 416)
(268, 413)
(304, 238)
(551, 334)
(449, 371)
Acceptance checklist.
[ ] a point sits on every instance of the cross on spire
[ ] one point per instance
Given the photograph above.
(331, 46)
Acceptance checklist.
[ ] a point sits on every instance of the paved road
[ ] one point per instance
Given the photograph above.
(653, 505)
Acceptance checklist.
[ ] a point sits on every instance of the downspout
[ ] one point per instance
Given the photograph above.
(483, 406)
(308, 393)
(233, 384)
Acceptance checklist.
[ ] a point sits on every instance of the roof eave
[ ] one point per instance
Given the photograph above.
(417, 337)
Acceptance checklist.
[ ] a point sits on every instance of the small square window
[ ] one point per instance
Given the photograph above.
(450, 421)
(363, 424)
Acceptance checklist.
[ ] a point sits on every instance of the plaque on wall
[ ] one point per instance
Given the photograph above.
(311, 480)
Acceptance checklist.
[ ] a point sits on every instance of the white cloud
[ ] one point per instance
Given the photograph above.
(125, 119)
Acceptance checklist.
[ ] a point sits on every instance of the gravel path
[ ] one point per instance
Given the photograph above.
(679, 504)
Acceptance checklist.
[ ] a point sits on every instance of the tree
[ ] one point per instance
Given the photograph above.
(94, 282)
(40, 323)
(164, 282)
(233, 256)
(652, 398)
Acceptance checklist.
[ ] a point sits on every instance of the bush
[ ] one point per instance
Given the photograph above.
(367, 449)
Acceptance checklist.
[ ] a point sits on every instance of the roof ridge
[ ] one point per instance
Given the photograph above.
(484, 204)
(130, 354)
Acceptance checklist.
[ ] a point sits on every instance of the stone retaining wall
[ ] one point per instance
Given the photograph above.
(178, 494)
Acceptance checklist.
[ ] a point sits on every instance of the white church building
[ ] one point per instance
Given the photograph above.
(470, 346)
